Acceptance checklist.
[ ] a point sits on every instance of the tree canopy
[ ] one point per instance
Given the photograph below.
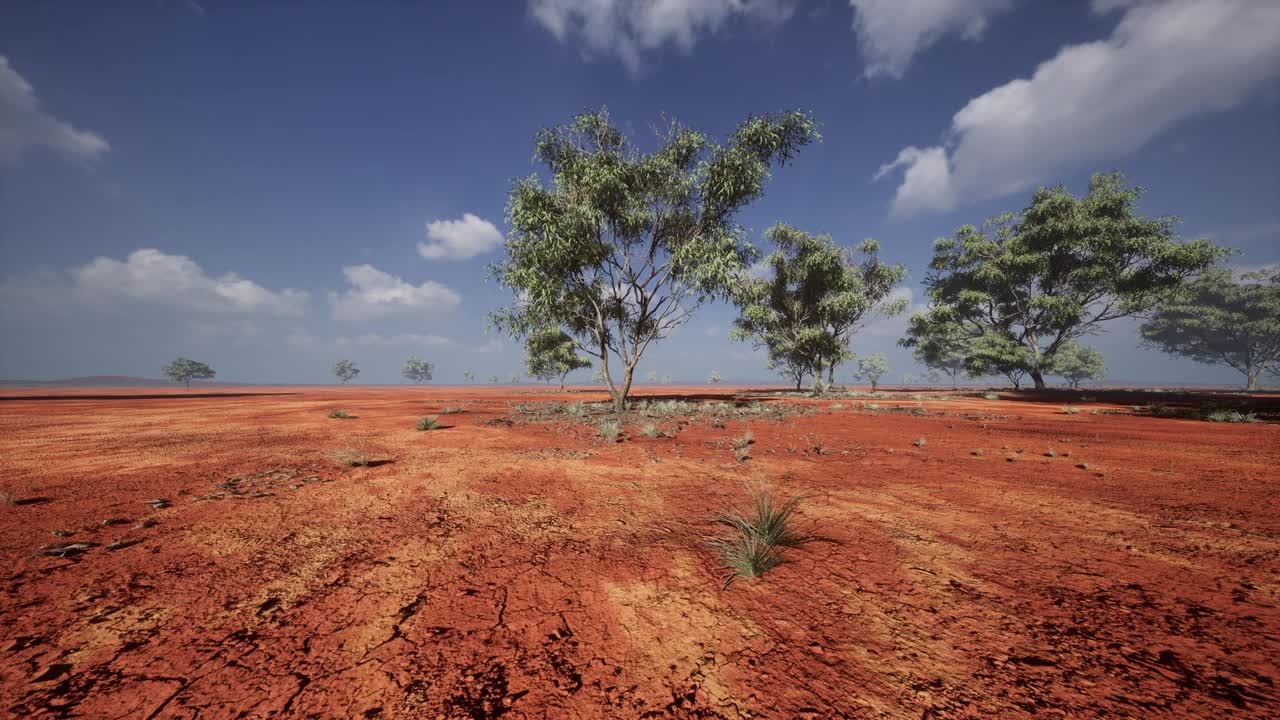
(1219, 320)
(1028, 282)
(184, 370)
(625, 245)
(418, 371)
(941, 346)
(873, 367)
(550, 354)
(346, 371)
(816, 295)
(1076, 363)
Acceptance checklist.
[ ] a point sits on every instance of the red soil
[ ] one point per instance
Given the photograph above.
(537, 571)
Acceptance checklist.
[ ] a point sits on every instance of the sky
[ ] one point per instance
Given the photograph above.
(273, 187)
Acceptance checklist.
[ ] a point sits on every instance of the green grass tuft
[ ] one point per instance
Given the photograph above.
(428, 422)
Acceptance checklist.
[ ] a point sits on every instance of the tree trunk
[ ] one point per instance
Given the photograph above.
(1253, 380)
(1037, 378)
(620, 397)
(188, 383)
(831, 374)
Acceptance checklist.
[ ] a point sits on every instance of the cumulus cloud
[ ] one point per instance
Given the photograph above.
(626, 29)
(891, 32)
(153, 276)
(374, 293)
(301, 338)
(459, 239)
(1165, 61)
(24, 124)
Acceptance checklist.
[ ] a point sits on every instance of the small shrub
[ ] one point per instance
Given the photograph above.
(352, 457)
(919, 443)
(450, 410)
(339, 414)
(837, 406)
(871, 406)
(753, 545)
(576, 409)
(609, 429)
(990, 396)
(741, 443)
(428, 422)
(1069, 410)
(650, 430)
(1231, 416)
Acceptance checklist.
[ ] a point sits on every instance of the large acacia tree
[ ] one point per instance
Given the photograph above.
(1026, 283)
(815, 296)
(1217, 320)
(624, 245)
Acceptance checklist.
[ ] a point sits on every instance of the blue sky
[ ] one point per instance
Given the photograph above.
(271, 189)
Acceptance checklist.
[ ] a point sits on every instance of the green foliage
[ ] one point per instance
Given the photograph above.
(468, 376)
(494, 379)
(1231, 416)
(816, 295)
(346, 371)
(714, 378)
(651, 376)
(1217, 319)
(550, 354)
(1028, 282)
(338, 414)
(184, 370)
(1075, 363)
(625, 245)
(940, 345)
(428, 422)
(872, 367)
(609, 429)
(755, 539)
(418, 371)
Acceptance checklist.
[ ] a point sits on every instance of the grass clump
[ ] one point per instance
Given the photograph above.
(755, 537)
(352, 456)
(920, 443)
(650, 430)
(428, 422)
(991, 396)
(1231, 416)
(1069, 410)
(340, 414)
(609, 429)
(576, 409)
(450, 410)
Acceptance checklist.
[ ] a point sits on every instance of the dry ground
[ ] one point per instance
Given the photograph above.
(534, 570)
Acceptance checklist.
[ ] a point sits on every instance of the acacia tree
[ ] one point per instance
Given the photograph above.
(625, 245)
(418, 371)
(184, 370)
(1217, 320)
(346, 371)
(468, 375)
(549, 354)
(872, 367)
(816, 296)
(1076, 363)
(1027, 283)
(714, 378)
(940, 346)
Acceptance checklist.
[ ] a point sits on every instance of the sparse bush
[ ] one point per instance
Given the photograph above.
(339, 414)
(919, 443)
(1069, 410)
(745, 441)
(428, 422)
(650, 430)
(1231, 416)
(576, 409)
(450, 410)
(609, 429)
(753, 545)
(990, 396)
(352, 456)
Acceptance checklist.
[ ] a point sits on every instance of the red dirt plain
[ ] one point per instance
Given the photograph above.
(535, 570)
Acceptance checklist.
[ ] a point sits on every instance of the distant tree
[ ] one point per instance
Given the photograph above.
(714, 378)
(418, 371)
(651, 376)
(346, 371)
(184, 371)
(550, 354)
(625, 245)
(495, 379)
(513, 379)
(597, 377)
(908, 379)
(1027, 283)
(1076, 363)
(1218, 320)
(872, 367)
(815, 297)
(666, 379)
(468, 376)
(939, 345)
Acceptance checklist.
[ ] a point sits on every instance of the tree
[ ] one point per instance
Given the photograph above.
(184, 370)
(495, 379)
(418, 371)
(513, 379)
(1027, 283)
(714, 378)
(941, 346)
(346, 371)
(908, 379)
(651, 376)
(1076, 363)
(468, 376)
(666, 379)
(625, 245)
(816, 296)
(550, 354)
(872, 367)
(1217, 320)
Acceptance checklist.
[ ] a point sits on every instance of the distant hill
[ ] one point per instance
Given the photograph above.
(108, 381)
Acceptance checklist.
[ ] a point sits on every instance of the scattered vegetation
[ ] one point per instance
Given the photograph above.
(428, 422)
(1069, 410)
(1231, 416)
(451, 410)
(340, 414)
(651, 430)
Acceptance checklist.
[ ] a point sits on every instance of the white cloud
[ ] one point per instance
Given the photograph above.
(492, 345)
(459, 239)
(302, 338)
(1165, 61)
(374, 293)
(891, 32)
(23, 124)
(154, 276)
(625, 29)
